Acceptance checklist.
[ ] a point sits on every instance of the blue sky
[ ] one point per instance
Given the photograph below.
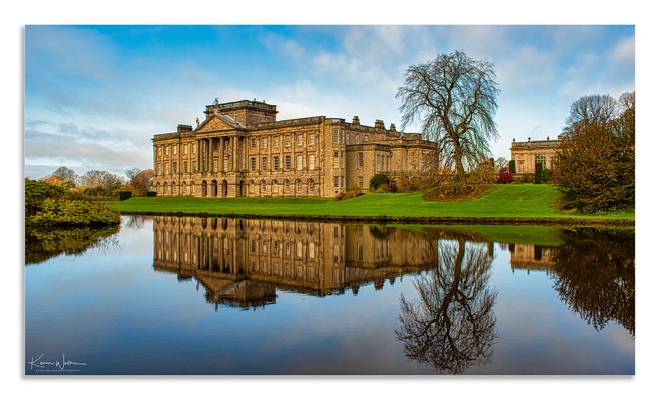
(95, 95)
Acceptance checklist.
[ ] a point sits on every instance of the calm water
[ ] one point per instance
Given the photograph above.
(169, 295)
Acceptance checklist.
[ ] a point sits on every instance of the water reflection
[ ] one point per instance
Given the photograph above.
(593, 272)
(42, 245)
(452, 324)
(242, 262)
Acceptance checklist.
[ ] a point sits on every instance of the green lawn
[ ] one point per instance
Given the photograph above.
(503, 201)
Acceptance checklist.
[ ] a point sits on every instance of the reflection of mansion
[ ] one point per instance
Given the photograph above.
(241, 150)
(527, 154)
(242, 262)
(531, 256)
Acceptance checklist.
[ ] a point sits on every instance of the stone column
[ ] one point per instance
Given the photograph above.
(234, 150)
(221, 158)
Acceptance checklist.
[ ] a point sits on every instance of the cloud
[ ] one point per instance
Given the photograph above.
(283, 45)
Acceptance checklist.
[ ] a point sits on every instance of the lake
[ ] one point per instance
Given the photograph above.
(191, 295)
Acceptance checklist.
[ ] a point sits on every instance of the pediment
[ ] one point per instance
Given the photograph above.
(218, 122)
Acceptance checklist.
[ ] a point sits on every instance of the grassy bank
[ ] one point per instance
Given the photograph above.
(504, 203)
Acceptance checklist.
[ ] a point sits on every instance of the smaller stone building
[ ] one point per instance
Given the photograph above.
(527, 154)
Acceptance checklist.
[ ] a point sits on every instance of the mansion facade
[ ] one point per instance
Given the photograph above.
(241, 150)
(527, 154)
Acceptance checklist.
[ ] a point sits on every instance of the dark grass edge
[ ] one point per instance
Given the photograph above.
(551, 221)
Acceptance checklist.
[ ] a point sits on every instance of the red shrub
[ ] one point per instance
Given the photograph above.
(505, 176)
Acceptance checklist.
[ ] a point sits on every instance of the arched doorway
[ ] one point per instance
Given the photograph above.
(262, 188)
(203, 188)
(214, 188)
(241, 189)
(174, 189)
(224, 188)
(192, 188)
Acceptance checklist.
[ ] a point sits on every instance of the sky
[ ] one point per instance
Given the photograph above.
(95, 95)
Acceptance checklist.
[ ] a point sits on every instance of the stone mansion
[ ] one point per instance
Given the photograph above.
(241, 150)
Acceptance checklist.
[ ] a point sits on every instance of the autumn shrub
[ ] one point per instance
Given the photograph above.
(378, 180)
(504, 177)
(348, 195)
(416, 183)
(540, 174)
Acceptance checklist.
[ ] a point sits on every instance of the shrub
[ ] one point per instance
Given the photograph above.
(124, 195)
(505, 176)
(512, 166)
(38, 191)
(540, 174)
(150, 194)
(347, 195)
(379, 180)
(61, 213)
(416, 183)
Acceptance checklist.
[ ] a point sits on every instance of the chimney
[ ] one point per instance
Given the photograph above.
(548, 138)
(529, 139)
(379, 124)
(356, 120)
(392, 128)
(183, 128)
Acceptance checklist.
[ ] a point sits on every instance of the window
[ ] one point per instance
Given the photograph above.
(335, 136)
(160, 150)
(174, 149)
(167, 167)
(158, 168)
(185, 167)
(366, 138)
(335, 159)
(361, 182)
(194, 148)
(312, 250)
(253, 143)
(299, 139)
(299, 162)
(253, 163)
(287, 162)
(287, 140)
(312, 138)
(167, 150)
(360, 160)
(335, 181)
(276, 163)
(539, 159)
(342, 181)
(264, 143)
(264, 163)
(194, 166)
(185, 149)
(276, 141)
(311, 161)
(311, 186)
(174, 167)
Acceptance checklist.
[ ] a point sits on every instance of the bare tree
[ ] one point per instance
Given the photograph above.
(66, 174)
(103, 179)
(453, 326)
(597, 108)
(455, 99)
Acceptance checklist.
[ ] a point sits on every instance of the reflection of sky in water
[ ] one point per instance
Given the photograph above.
(110, 309)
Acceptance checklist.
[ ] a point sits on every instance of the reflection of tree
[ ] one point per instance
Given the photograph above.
(595, 275)
(134, 222)
(43, 245)
(453, 326)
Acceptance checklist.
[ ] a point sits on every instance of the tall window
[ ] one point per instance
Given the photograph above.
(335, 181)
(335, 136)
(335, 159)
(360, 181)
(287, 140)
(264, 143)
(276, 163)
(360, 160)
(299, 139)
(299, 162)
(276, 141)
(185, 167)
(253, 163)
(312, 139)
(539, 159)
(311, 162)
(264, 162)
(185, 149)
(287, 162)
(174, 149)
(253, 143)
(174, 167)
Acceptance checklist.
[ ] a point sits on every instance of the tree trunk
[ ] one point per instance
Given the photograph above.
(458, 161)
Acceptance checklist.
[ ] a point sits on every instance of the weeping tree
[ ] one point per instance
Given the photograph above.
(452, 324)
(454, 97)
